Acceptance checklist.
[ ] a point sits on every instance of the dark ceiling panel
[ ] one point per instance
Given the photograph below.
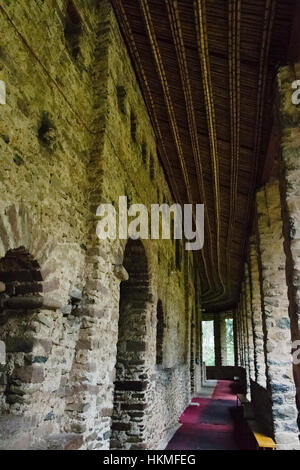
(206, 69)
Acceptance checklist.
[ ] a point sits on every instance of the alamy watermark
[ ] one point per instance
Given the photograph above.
(296, 352)
(163, 221)
(2, 92)
(296, 94)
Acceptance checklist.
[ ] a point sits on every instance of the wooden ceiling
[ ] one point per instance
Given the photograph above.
(207, 72)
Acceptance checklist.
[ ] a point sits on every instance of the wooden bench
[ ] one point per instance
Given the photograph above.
(242, 399)
(262, 441)
(247, 406)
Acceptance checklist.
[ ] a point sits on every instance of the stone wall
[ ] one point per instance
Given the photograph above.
(256, 305)
(277, 323)
(100, 340)
(249, 320)
(43, 209)
(289, 115)
(265, 339)
(220, 339)
(75, 133)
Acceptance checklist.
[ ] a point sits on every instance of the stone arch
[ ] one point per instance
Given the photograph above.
(159, 332)
(20, 273)
(21, 295)
(18, 230)
(23, 370)
(131, 373)
(33, 291)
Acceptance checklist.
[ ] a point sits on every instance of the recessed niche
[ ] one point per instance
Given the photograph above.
(133, 126)
(121, 95)
(144, 153)
(151, 167)
(73, 30)
(47, 131)
(178, 255)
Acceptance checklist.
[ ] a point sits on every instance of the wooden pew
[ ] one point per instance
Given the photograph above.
(262, 441)
(250, 425)
(242, 399)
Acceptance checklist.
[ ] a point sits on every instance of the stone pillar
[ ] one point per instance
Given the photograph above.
(220, 340)
(235, 338)
(2, 353)
(217, 335)
(245, 334)
(198, 332)
(280, 382)
(249, 316)
(290, 198)
(223, 340)
(240, 334)
(193, 352)
(258, 334)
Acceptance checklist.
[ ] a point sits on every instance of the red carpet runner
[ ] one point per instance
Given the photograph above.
(208, 426)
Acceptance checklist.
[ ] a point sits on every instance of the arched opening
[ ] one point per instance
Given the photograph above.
(159, 332)
(22, 371)
(22, 280)
(131, 378)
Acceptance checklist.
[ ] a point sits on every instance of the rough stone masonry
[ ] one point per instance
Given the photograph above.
(75, 133)
(100, 340)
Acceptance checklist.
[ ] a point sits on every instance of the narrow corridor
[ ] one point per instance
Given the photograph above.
(150, 226)
(207, 424)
